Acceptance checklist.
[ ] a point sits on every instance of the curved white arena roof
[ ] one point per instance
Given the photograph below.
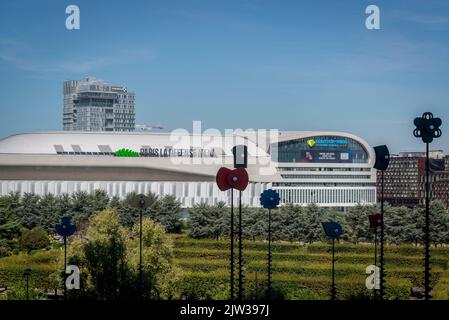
(50, 142)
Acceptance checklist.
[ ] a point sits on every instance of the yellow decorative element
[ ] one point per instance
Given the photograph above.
(311, 142)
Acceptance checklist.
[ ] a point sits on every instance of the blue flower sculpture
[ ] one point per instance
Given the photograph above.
(269, 199)
(332, 229)
(65, 228)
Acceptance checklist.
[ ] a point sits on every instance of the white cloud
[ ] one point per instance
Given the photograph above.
(30, 59)
(427, 19)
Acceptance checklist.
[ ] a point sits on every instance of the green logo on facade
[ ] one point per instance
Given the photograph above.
(311, 142)
(126, 153)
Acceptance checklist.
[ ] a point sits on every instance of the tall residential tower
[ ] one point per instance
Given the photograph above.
(94, 105)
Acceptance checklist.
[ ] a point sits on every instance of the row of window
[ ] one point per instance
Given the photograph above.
(325, 184)
(329, 196)
(322, 169)
(319, 176)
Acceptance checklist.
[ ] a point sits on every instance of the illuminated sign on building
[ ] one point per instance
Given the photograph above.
(326, 142)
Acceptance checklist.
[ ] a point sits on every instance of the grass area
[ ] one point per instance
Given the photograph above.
(299, 271)
(42, 263)
(304, 271)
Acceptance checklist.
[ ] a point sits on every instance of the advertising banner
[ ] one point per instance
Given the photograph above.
(326, 156)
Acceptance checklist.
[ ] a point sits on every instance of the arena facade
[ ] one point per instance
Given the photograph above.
(330, 169)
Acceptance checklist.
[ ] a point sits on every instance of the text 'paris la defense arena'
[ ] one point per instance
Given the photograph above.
(330, 169)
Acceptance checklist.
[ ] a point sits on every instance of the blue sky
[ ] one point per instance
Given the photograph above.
(291, 65)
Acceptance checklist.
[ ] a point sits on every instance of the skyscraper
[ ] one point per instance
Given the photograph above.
(95, 105)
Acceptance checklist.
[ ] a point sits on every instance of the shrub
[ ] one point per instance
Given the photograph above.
(19, 292)
(34, 239)
(4, 252)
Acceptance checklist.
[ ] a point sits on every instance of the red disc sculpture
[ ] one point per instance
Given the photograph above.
(375, 220)
(235, 179)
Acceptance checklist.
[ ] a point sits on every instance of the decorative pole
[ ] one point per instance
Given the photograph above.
(232, 244)
(141, 202)
(27, 274)
(234, 179)
(333, 288)
(382, 239)
(65, 229)
(375, 247)
(240, 248)
(269, 255)
(427, 128)
(140, 249)
(375, 221)
(269, 199)
(333, 230)
(382, 162)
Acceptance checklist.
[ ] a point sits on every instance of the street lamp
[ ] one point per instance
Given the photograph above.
(27, 274)
(65, 229)
(141, 202)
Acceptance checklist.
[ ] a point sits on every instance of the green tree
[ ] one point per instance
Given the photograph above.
(357, 223)
(397, 224)
(9, 224)
(49, 215)
(296, 222)
(102, 256)
(255, 223)
(128, 215)
(108, 257)
(99, 200)
(279, 221)
(416, 223)
(220, 219)
(439, 222)
(63, 205)
(161, 277)
(200, 222)
(166, 211)
(28, 211)
(314, 229)
(81, 206)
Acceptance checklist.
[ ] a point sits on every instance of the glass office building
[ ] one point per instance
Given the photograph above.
(95, 105)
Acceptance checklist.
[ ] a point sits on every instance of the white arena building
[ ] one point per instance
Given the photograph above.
(330, 169)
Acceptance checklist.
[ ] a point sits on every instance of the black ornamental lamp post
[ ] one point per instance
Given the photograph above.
(140, 202)
(381, 163)
(376, 221)
(27, 274)
(333, 230)
(235, 179)
(427, 128)
(65, 229)
(269, 199)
